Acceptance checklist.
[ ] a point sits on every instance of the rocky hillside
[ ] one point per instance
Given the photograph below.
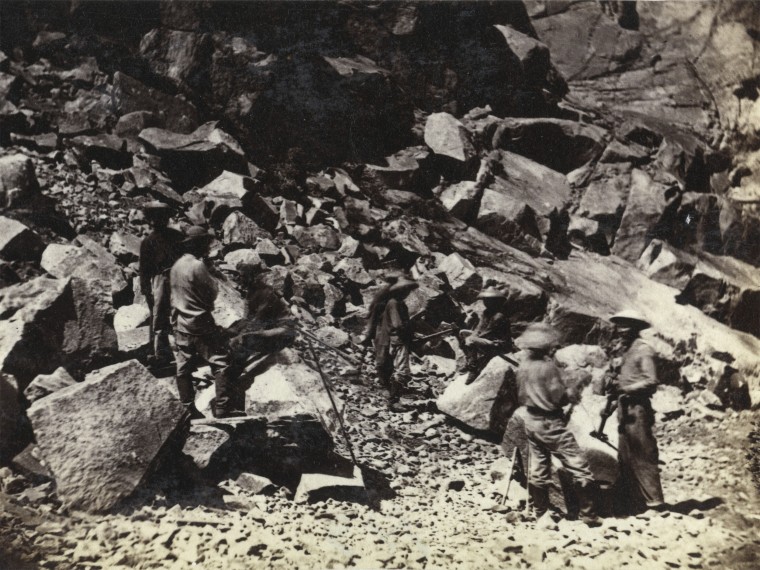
(585, 156)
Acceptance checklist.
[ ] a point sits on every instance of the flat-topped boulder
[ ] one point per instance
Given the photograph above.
(101, 457)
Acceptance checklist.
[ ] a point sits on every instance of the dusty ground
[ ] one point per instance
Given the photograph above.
(418, 518)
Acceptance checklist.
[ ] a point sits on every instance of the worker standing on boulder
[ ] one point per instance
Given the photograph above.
(633, 387)
(393, 339)
(491, 337)
(158, 252)
(543, 394)
(197, 336)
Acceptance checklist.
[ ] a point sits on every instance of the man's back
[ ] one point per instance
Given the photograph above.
(540, 385)
(193, 294)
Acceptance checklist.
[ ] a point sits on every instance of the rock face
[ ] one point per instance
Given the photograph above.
(100, 457)
(485, 405)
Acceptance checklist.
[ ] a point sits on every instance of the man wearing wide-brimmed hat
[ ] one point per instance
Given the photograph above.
(491, 337)
(542, 392)
(633, 387)
(393, 340)
(197, 336)
(158, 252)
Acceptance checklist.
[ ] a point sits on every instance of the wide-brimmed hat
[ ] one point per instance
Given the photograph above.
(492, 293)
(196, 234)
(630, 318)
(156, 208)
(539, 336)
(403, 284)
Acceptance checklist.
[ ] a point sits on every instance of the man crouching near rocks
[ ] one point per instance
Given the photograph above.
(543, 394)
(197, 336)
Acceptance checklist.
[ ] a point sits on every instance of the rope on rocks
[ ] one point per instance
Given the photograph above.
(332, 399)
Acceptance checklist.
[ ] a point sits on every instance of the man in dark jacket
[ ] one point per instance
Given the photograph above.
(158, 252)
(393, 341)
(491, 337)
(633, 387)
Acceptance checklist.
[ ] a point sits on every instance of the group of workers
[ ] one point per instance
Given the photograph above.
(541, 391)
(180, 291)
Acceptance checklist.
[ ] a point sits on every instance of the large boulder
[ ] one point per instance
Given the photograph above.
(646, 215)
(462, 276)
(317, 238)
(108, 150)
(130, 95)
(291, 390)
(408, 169)
(332, 107)
(229, 307)
(317, 487)
(240, 230)
(534, 55)
(485, 405)
(215, 201)
(449, 138)
(559, 144)
(89, 339)
(196, 158)
(529, 199)
(33, 315)
(101, 457)
(18, 181)
(64, 261)
(18, 242)
(722, 287)
(52, 322)
(462, 199)
(181, 56)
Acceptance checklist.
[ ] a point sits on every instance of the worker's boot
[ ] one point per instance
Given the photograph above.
(587, 506)
(539, 496)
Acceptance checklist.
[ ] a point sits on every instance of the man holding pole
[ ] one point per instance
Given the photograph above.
(158, 252)
(393, 340)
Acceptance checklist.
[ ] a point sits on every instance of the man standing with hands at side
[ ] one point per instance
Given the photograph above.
(158, 252)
